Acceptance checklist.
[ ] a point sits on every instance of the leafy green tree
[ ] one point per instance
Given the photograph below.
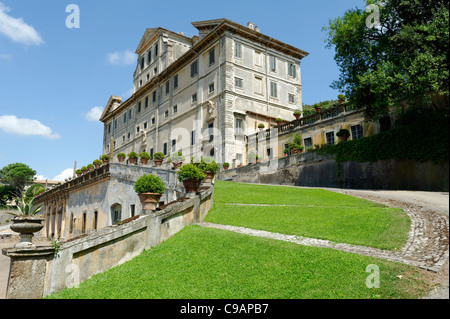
(34, 190)
(402, 60)
(17, 175)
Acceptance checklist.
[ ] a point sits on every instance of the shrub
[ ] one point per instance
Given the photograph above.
(144, 155)
(343, 133)
(294, 146)
(121, 155)
(261, 126)
(90, 166)
(279, 119)
(159, 156)
(341, 97)
(105, 157)
(133, 155)
(211, 167)
(177, 157)
(297, 113)
(84, 168)
(286, 151)
(298, 139)
(190, 171)
(149, 184)
(79, 171)
(226, 164)
(97, 162)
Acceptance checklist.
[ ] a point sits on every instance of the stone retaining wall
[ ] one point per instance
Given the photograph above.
(40, 271)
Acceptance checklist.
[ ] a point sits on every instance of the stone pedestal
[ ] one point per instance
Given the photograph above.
(27, 271)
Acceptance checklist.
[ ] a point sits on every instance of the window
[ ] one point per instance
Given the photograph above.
(211, 131)
(129, 135)
(211, 88)
(146, 101)
(115, 123)
(330, 138)
(125, 118)
(194, 98)
(142, 63)
(258, 85)
(212, 56)
(239, 83)
(109, 128)
(123, 139)
(291, 98)
(153, 121)
(140, 82)
(292, 70)
(83, 226)
(356, 132)
(166, 114)
(156, 49)
(167, 87)
(95, 220)
(192, 137)
(148, 76)
(71, 223)
(129, 114)
(138, 129)
(175, 82)
(238, 50)
(273, 63)
(165, 149)
(174, 145)
(132, 210)
(139, 107)
(270, 153)
(151, 153)
(175, 109)
(194, 68)
(116, 213)
(239, 126)
(258, 58)
(308, 142)
(145, 125)
(149, 56)
(154, 96)
(273, 89)
(155, 71)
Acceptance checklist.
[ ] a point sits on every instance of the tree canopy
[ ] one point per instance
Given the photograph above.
(403, 58)
(17, 175)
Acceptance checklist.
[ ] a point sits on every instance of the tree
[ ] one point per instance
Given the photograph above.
(404, 59)
(17, 175)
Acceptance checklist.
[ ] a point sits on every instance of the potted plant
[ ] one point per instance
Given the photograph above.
(317, 108)
(158, 158)
(90, 167)
(84, 169)
(343, 134)
(97, 163)
(121, 157)
(286, 152)
(132, 157)
(226, 166)
(209, 169)
(149, 188)
(191, 176)
(279, 121)
(105, 159)
(145, 157)
(297, 114)
(341, 98)
(79, 172)
(316, 146)
(177, 159)
(261, 126)
(294, 147)
(26, 222)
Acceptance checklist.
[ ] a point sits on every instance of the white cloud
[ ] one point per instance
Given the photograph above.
(94, 114)
(10, 124)
(121, 58)
(63, 175)
(16, 29)
(40, 177)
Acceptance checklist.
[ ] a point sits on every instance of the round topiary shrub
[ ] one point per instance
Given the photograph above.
(121, 155)
(105, 158)
(190, 172)
(144, 155)
(159, 156)
(97, 162)
(149, 184)
(133, 155)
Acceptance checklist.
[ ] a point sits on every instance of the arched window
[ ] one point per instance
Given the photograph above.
(116, 213)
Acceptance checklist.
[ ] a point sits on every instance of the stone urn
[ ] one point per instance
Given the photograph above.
(149, 200)
(157, 162)
(191, 185)
(26, 226)
(226, 167)
(209, 177)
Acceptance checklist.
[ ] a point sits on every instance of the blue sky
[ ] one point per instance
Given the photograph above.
(54, 80)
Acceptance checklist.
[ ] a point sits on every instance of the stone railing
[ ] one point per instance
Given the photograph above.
(39, 271)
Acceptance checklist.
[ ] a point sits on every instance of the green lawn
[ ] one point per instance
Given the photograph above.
(312, 213)
(203, 263)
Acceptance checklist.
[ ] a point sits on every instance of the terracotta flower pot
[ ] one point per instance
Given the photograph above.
(79, 175)
(157, 162)
(105, 162)
(26, 226)
(318, 109)
(121, 159)
(85, 172)
(279, 123)
(177, 165)
(97, 166)
(191, 185)
(132, 161)
(226, 167)
(297, 116)
(149, 200)
(91, 169)
(144, 161)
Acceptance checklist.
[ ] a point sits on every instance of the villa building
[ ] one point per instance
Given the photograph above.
(203, 95)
